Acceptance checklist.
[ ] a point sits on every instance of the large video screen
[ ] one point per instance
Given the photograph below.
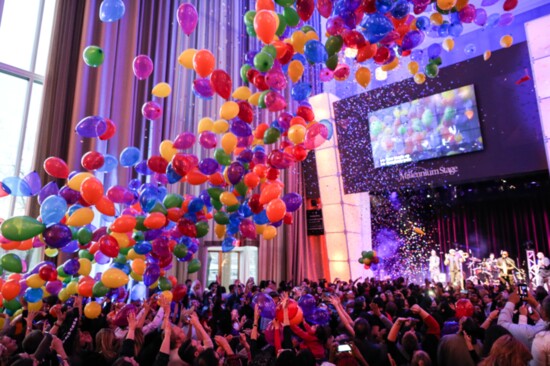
(432, 127)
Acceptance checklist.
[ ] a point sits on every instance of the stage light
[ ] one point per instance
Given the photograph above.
(350, 52)
(380, 74)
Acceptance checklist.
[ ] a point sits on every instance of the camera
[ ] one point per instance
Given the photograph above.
(522, 290)
(344, 348)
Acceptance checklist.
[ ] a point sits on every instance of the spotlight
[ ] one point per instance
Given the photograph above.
(380, 74)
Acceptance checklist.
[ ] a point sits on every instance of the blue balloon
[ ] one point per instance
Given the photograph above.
(423, 23)
(109, 165)
(91, 126)
(171, 175)
(72, 247)
(111, 10)
(261, 218)
(195, 205)
(17, 186)
(71, 266)
(245, 210)
(377, 26)
(134, 184)
(235, 218)
(130, 156)
(329, 126)
(434, 50)
(315, 51)
(228, 244)
(142, 168)
(401, 9)
(456, 29)
(383, 6)
(492, 20)
(33, 294)
(138, 292)
(53, 209)
(443, 30)
(300, 91)
(143, 247)
(300, 57)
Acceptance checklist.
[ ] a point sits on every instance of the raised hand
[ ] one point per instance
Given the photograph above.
(132, 322)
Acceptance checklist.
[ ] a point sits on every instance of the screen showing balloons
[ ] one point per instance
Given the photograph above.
(436, 126)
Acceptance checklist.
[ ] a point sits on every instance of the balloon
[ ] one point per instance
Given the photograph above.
(221, 83)
(80, 217)
(463, 307)
(376, 26)
(295, 70)
(265, 25)
(71, 266)
(301, 91)
(184, 141)
(315, 51)
(292, 201)
(412, 39)
(91, 126)
(142, 66)
(19, 228)
(151, 274)
(506, 41)
(363, 76)
(113, 278)
(187, 18)
(307, 303)
(57, 235)
(53, 209)
(186, 58)
(10, 289)
(121, 317)
(229, 110)
(92, 310)
(446, 4)
(276, 210)
(266, 305)
(130, 156)
(93, 56)
(111, 10)
(203, 63)
(208, 140)
(11, 263)
(161, 90)
(151, 110)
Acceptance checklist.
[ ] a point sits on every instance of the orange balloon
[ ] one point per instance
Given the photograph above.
(251, 180)
(94, 247)
(155, 220)
(217, 179)
(275, 210)
(265, 5)
(260, 170)
(11, 245)
(204, 62)
(195, 177)
(270, 192)
(260, 130)
(174, 214)
(280, 49)
(25, 245)
(265, 25)
(91, 190)
(85, 288)
(105, 206)
(123, 224)
(15, 277)
(298, 121)
(366, 52)
(11, 289)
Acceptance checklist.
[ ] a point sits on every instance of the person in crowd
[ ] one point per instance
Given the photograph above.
(434, 266)
(454, 261)
(543, 270)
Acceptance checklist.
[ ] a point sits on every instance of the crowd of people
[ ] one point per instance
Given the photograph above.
(370, 322)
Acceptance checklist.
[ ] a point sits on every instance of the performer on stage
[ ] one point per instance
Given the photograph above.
(506, 268)
(491, 267)
(434, 266)
(543, 270)
(454, 262)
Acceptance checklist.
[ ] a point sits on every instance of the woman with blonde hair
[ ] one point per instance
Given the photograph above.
(507, 351)
(106, 344)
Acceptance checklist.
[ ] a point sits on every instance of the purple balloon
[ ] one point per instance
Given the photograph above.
(152, 234)
(70, 195)
(245, 156)
(121, 318)
(187, 18)
(53, 287)
(142, 168)
(245, 141)
(280, 159)
(151, 110)
(434, 50)
(184, 140)
(240, 128)
(506, 19)
(293, 201)
(33, 180)
(101, 258)
(467, 14)
(266, 304)
(98, 233)
(72, 247)
(307, 302)
(50, 189)
(91, 126)
(319, 316)
(284, 120)
(23, 285)
(275, 78)
(488, 2)
(143, 66)
(208, 140)
(117, 194)
(412, 39)
(235, 172)
(481, 17)
(203, 88)
(260, 157)
(161, 248)
(208, 166)
(57, 236)
(152, 274)
(71, 266)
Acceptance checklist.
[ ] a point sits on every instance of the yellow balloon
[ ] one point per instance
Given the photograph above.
(92, 310)
(186, 58)
(35, 306)
(167, 295)
(35, 281)
(136, 277)
(413, 67)
(260, 229)
(228, 199)
(298, 40)
(446, 4)
(269, 232)
(154, 285)
(255, 99)
(461, 4)
(114, 278)
(72, 288)
(436, 18)
(229, 142)
(76, 181)
(133, 255)
(392, 65)
(362, 75)
(295, 70)
(229, 110)
(162, 90)
(506, 41)
(122, 239)
(219, 230)
(419, 78)
(167, 150)
(51, 252)
(257, 142)
(85, 267)
(487, 55)
(448, 44)
(220, 126)
(82, 216)
(205, 124)
(242, 93)
(138, 266)
(312, 35)
(297, 134)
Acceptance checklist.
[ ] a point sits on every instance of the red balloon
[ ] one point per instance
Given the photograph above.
(292, 310)
(246, 113)
(187, 227)
(259, 82)
(288, 219)
(56, 167)
(108, 246)
(92, 160)
(324, 7)
(181, 164)
(306, 113)
(369, 6)
(47, 273)
(272, 174)
(366, 52)
(353, 39)
(463, 307)
(179, 292)
(382, 55)
(251, 74)
(157, 164)
(110, 131)
(510, 5)
(221, 83)
(299, 152)
(254, 204)
(305, 9)
(165, 261)
(287, 56)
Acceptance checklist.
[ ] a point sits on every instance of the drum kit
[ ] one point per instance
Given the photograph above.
(487, 273)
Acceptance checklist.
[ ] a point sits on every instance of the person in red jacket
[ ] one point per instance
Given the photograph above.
(314, 338)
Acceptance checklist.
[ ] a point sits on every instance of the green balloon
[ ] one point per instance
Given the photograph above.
(285, 2)
(251, 31)
(99, 289)
(307, 28)
(437, 61)
(84, 236)
(216, 204)
(67, 280)
(261, 100)
(193, 266)
(74, 231)
(84, 253)
(19, 228)
(282, 25)
(139, 223)
(165, 284)
(61, 272)
(202, 229)
(233, 208)
(138, 236)
(334, 44)
(1, 270)
(244, 70)
(159, 207)
(241, 188)
(172, 200)
(249, 18)
(215, 192)
(180, 251)
(432, 70)
(332, 62)
(271, 135)
(270, 49)
(120, 259)
(12, 305)
(449, 113)
(370, 254)
(93, 56)
(221, 218)
(291, 16)
(124, 251)
(263, 61)
(221, 157)
(11, 263)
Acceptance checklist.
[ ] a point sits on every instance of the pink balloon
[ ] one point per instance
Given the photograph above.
(143, 66)
(187, 18)
(275, 102)
(151, 110)
(184, 140)
(326, 74)
(275, 78)
(316, 135)
(208, 140)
